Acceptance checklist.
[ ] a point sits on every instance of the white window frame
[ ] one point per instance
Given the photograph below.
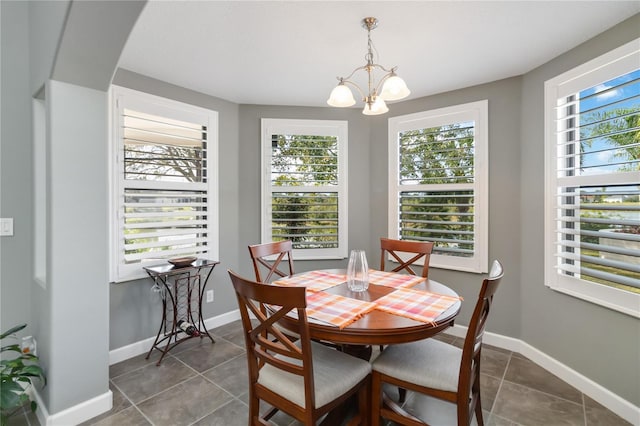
(121, 98)
(603, 68)
(473, 111)
(271, 126)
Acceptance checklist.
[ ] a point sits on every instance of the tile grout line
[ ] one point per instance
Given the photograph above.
(504, 374)
(548, 394)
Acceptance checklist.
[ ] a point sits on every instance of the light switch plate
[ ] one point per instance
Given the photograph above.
(6, 227)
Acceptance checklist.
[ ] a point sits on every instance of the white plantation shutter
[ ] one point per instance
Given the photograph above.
(304, 186)
(438, 175)
(593, 180)
(166, 173)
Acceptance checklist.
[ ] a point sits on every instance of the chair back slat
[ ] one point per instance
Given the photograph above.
(422, 249)
(269, 304)
(266, 269)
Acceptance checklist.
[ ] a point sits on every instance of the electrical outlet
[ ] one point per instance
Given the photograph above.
(209, 296)
(6, 227)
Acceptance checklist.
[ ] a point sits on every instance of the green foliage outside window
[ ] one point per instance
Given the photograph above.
(438, 156)
(309, 217)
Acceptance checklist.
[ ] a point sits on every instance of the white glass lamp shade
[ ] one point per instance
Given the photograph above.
(341, 96)
(394, 88)
(377, 108)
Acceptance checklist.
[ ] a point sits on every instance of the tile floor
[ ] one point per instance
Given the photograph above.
(199, 383)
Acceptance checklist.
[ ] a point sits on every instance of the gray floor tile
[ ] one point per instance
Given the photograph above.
(495, 348)
(494, 363)
(18, 419)
(527, 373)
(495, 420)
(206, 356)
(227, 329)
(234, 413)
(530, 407)
(32, 418)
(237, 338)
(134, 363)
(127, 417)
(191, 343)
(597, 415)
(185, 403)
(232, 375)
(147, 381)
(447, 338)
(488, 391)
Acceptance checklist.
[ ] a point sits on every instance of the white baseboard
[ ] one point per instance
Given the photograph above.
(143, 346)
(593, 390)
(76, 414)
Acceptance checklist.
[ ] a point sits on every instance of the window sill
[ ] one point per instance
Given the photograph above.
(611, 298)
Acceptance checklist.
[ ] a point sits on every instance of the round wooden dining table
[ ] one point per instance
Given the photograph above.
(381, 328)
(376, 327)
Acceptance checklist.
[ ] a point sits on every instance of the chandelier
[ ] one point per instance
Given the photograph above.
(393, 87)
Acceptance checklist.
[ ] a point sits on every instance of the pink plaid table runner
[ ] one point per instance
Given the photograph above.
(415, 304)
(334, 309)
(313, 280)
(393, 279)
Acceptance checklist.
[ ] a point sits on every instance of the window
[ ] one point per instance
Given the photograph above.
(438, 180)
(304, 186)
(592, 142)
(164, 182)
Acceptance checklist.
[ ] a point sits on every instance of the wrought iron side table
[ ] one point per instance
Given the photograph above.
(182, 290)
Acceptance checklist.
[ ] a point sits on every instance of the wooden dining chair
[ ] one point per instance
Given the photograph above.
(420, 249)
(437, 369)
(302, 378)
(260, 254)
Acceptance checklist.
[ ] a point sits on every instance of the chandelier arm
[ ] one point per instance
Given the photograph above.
(364, 67)
(391, 70)
(351, 83)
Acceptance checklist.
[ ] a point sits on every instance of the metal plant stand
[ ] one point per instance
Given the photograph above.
(182, 291)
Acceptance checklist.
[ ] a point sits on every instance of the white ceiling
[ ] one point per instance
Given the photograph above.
(290, 52)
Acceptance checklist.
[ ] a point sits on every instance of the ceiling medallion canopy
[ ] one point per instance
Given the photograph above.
(389, 88)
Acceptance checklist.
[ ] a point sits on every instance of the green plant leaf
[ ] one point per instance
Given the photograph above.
(29, 357)
(14, 347)
(10, 395)
(12, 331)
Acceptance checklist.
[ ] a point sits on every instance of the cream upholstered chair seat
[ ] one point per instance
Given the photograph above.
(429, 363)
(334, 373)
